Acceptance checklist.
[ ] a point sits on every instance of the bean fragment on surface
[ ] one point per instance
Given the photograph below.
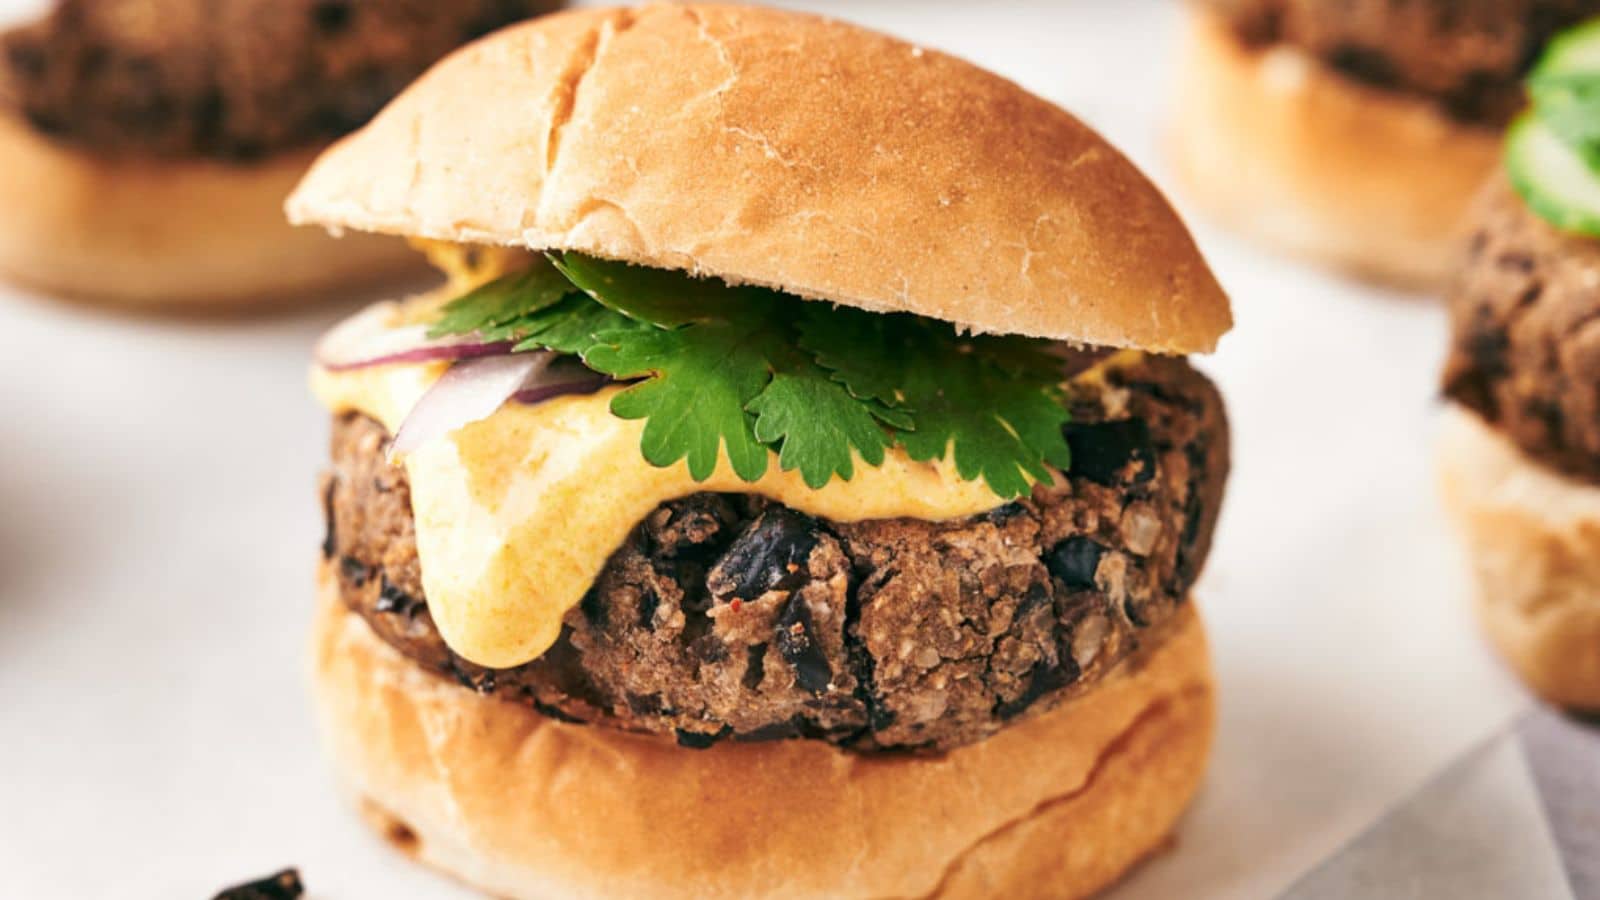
(284, 885)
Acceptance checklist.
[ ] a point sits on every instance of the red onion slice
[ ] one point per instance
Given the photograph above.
(367, 339)
(562, 377)
(468, 391)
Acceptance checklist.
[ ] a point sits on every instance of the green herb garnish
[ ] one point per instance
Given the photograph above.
(745, 370)
(1553, 150)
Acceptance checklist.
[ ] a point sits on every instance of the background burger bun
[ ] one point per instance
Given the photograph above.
(786, 150)
(524, 806)
(1297, 156)
(1533, 537)
(169, 235)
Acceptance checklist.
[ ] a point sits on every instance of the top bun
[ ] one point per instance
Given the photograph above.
(785, 150)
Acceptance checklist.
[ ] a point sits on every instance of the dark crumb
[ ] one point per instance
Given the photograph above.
(284, 885)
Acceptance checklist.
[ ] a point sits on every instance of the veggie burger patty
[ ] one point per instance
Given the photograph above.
(232, 79)
(727, 616)
(1469, 57)
(1525, 355)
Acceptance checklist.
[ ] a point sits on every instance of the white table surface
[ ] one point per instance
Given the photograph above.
(158, 528)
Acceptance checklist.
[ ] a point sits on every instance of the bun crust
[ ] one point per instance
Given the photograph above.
(786, 150)
(1534, 539)
(525, 806)
(190, 235)
(1299, 157)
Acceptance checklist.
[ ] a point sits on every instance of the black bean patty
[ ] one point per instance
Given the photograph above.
(727, 616)
(232, 79)
(1467, 55)
(1525, 352)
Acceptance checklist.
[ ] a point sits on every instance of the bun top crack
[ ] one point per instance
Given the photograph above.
(783, 150)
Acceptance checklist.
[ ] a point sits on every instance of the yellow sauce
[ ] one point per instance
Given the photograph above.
(517, 514)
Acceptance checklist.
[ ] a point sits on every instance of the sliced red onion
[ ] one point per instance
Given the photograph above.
(366, 339)
(468, 391)
(562, 377)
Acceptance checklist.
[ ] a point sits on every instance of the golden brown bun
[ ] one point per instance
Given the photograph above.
(1297, 156)
(523, 806)
(1533, 536)
(179, 235)
(786, 150)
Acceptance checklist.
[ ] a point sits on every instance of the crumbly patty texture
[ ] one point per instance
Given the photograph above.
(731, 617)
(233, 79)
(1467, 55)
(1525, 351)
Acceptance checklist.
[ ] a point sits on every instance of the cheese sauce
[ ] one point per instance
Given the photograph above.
(518, 513)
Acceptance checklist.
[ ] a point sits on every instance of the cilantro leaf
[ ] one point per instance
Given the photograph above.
(662, 297)
(747, 371)
(698, 381)
(493, 309)
(816, 424)
(993, 402)
(571, 326)
(866, 351)
(996, 428)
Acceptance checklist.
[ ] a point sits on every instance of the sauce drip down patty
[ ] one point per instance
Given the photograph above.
(729, 616)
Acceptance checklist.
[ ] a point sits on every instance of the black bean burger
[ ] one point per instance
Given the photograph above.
(146, 146)
(1355, 132)
(1522, 453)
(797, 489)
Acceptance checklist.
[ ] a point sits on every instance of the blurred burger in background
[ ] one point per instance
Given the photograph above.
(796, 492)
(1521, 455)
(1355, 133)
(146, 146)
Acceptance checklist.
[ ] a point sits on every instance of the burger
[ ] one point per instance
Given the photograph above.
(1521, 450)
(146, 146)
(1355, 133)
(795, 491)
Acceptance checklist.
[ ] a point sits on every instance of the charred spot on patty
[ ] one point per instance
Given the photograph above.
(732, 617)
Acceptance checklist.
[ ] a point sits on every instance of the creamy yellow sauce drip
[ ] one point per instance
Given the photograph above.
(517, 514)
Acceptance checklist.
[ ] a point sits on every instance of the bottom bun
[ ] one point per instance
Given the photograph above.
(523, 806)
(1534, 539)
(1297, 156)
(171, 235)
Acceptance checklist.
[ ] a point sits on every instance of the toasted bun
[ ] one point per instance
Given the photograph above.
(1300, 157)
(786, 150)
(168, 235)
(524, 806)
(1534, 539)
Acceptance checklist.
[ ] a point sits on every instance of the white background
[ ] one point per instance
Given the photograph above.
(158, 527)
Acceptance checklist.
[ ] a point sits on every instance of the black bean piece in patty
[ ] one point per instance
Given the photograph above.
(768, 556)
